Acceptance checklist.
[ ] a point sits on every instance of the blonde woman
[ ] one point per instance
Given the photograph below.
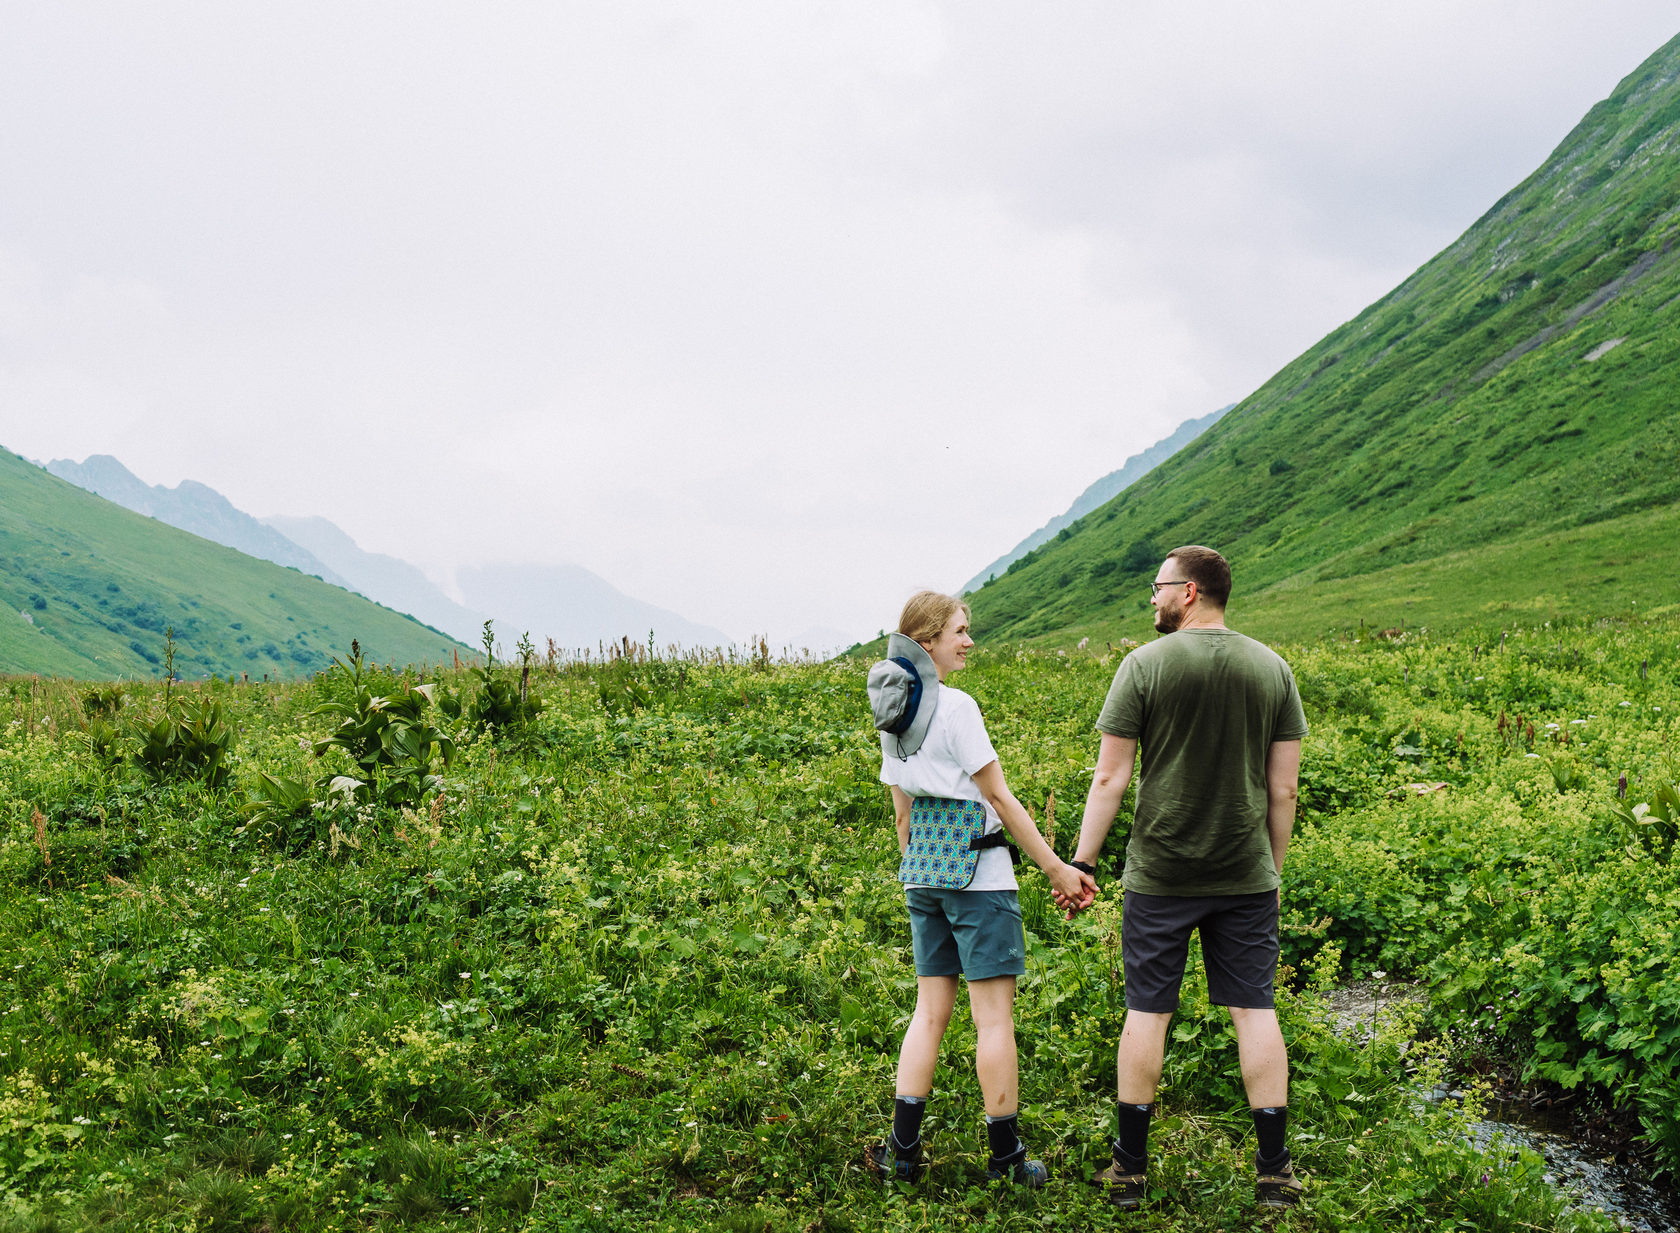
(954, 811)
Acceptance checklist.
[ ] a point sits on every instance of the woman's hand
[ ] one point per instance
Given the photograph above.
(1072, 889)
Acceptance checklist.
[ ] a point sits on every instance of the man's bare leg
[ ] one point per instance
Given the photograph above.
(1143, 1048)
(1264, 1061)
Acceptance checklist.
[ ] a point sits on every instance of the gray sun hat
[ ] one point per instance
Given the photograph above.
(903, 695)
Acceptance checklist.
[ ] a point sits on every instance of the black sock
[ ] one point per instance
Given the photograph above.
(1131, 1145)
(1269, 1125)
(907, 1121)
(1004, 1138)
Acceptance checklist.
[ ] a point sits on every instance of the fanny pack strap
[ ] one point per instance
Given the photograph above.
(997, 839)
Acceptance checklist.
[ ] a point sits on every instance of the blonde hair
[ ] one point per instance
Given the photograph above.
(927, 614)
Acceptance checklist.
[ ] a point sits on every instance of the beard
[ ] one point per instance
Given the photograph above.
(1168, 620)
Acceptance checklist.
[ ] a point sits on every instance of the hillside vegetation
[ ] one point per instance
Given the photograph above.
(1507, 416)
(639, 960)
(88, 589)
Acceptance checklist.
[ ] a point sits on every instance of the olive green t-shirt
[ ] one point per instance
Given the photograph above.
(1205, 706)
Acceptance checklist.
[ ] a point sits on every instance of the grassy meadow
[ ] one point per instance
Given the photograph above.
(638, 960)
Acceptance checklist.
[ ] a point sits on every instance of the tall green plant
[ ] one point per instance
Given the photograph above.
(390, 738)
(501, 703)
(191, 740)
(1654, 823)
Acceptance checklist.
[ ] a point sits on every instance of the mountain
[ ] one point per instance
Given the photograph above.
(192, 507)
(1495, 440)
(390, 580)
(576, 609)
(88, 589)
(1099, 493)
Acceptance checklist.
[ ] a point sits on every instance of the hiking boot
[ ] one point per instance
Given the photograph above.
(1029, 1173)
(887, 1164)
(1126, 1191)
(1277, 1188)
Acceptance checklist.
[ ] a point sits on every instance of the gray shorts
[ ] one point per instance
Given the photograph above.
(976, 934)
(1239, 948)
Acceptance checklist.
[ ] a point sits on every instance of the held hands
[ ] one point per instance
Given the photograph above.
(1073, 890)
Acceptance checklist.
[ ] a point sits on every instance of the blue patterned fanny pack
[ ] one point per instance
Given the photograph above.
(947, 836)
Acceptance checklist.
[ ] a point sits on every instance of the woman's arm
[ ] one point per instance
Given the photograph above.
(901, 814)
(1065, 880)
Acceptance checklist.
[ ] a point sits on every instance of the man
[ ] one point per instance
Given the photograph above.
(1220, 724)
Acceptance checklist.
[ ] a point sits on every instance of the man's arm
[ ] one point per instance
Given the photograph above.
(1283, 775)
(1115, 761)
(901, 815)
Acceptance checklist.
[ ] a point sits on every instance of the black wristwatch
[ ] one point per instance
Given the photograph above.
(1084, 868)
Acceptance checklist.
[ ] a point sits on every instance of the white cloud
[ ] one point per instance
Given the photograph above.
(767, 313)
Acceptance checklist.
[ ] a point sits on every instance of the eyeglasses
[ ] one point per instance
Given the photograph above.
(1155, 587)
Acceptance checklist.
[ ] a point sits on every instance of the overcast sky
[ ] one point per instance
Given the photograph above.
(768, 313)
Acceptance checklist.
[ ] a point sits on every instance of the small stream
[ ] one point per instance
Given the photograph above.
(1590, 1178)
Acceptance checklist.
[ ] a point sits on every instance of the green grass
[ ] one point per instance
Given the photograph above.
(1602, 569)
(99, 585)
(1459, 412)
(646, 965)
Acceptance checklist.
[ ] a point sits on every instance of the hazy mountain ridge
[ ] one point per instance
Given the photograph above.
(1101, 492)
(89, 589)
(190, 506)
(1517, 386)
(391, 580)
(576, 608)
(573, 606)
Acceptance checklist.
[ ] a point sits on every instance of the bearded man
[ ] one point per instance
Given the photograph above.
(1220, 724)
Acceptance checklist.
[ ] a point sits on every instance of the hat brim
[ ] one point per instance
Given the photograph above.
(910, 740)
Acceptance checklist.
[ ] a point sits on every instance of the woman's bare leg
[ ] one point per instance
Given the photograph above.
(936, 997)
(993, 1005)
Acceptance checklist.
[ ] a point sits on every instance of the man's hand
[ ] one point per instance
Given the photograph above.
(1076, 899)
(1071, 888)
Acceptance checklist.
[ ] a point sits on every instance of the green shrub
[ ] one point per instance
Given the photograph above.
(390, 739)
(191, 741)
(501, 702)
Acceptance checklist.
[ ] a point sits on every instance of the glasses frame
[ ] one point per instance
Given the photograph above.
(1155, 587)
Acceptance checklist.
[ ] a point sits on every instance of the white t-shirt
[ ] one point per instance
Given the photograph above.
(955, 747)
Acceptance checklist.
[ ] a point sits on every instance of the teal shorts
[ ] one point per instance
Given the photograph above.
(976, 934)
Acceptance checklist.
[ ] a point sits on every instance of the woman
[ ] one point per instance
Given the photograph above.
(945, 778)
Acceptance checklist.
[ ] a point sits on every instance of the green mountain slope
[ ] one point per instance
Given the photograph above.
(1522, 388)
(1101, 492)
(88, 588)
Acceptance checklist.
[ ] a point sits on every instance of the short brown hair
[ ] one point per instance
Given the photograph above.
(927, 613)
(1207, 569)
